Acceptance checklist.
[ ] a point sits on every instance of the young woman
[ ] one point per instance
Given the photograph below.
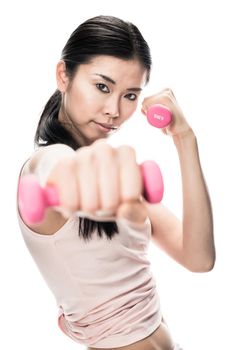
(95, 263)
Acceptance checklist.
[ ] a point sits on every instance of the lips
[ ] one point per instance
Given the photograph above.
(108, 126)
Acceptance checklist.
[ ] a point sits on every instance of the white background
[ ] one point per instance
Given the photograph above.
(192, 49)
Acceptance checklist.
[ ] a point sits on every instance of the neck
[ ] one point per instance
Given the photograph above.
(70, 126)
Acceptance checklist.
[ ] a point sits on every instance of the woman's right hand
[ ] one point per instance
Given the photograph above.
(100, 178)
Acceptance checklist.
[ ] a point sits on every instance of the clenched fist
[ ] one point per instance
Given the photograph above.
(100, 178)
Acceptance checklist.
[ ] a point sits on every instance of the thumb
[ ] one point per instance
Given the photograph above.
(133, 211)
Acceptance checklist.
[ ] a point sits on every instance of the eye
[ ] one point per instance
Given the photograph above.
(102, 87)
(131, 97)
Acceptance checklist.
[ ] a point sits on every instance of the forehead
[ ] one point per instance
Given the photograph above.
(127, 71)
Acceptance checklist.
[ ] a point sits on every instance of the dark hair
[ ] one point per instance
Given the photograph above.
(101, 35)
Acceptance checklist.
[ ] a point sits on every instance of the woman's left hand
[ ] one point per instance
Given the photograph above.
(179, 124)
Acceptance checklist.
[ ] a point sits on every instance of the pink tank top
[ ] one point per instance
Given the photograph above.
(105, 290)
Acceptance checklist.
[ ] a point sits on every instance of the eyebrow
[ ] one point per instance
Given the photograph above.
(113, 82)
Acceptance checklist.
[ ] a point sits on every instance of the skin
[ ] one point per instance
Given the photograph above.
(90, 97)
(83, 179)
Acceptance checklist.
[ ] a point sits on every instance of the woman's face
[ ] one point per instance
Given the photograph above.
(106, 90)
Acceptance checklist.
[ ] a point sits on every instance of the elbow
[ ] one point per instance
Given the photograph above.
(201, 264)
(203, 261)
(201, 268)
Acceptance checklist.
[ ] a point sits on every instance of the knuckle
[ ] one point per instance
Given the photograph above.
(126, 150)
(84, 153)
(68, 163)
(105, 155)
(102, 147)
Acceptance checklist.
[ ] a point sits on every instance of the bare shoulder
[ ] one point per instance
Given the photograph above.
(167, 230)
(53, 220)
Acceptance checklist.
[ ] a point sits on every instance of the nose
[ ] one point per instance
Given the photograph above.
(111, 107)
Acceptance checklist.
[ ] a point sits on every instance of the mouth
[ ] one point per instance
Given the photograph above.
(106, 127)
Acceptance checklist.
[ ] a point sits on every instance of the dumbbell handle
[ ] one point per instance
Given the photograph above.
(33, 199)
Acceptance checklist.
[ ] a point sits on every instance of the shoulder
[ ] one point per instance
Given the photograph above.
(53, 220)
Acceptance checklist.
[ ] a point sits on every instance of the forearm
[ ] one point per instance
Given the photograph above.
(198, 240)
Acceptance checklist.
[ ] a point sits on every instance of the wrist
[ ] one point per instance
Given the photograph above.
(184, 135)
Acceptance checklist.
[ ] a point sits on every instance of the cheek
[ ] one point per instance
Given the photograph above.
(84, 103)
(128, 109)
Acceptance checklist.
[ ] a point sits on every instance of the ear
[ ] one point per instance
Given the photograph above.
(61, 76)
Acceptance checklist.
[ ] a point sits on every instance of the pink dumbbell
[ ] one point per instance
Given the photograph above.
(159, 116)
(33, 199)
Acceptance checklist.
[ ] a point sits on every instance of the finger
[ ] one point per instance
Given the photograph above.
(63, 178)
(87, 181)
(130, 176)
(107, 178)
(164, 97)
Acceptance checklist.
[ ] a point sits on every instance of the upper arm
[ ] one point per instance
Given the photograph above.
(167, 231)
